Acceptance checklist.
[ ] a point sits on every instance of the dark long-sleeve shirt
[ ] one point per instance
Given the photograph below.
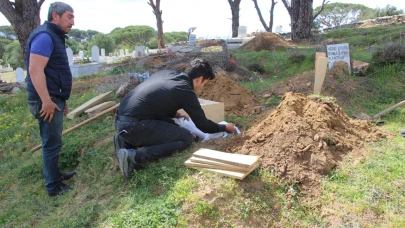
(161, 96)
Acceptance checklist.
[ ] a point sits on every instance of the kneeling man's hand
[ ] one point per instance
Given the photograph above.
(230, 127)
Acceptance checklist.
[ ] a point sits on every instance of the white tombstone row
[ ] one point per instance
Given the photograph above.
(139, 51)
(242, 30)
(81, 54)
(19, 75)
(69, 53)
(338, 52)
(121, 52)
(95, 54)
(102, 52)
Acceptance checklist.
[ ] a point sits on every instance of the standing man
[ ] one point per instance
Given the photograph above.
(49, 83)
(144, 117)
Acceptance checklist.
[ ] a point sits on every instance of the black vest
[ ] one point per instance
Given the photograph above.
(57, 71)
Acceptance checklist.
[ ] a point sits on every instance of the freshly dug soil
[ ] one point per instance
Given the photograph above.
(237, 100)
(266, 41)
(303, 139)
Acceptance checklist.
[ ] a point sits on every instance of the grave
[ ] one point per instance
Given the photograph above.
(139, 51)
(19, 75)
(69, 53)
(95, 52)
(86, 68)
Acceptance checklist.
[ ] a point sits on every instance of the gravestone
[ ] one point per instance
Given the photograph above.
(81, 54)
(19, 75)
(102, 52)
(191, 39)
(95, 53)
(121, 52)
(139, 51)
(126, 52)
(69, 53)
(242, 30)
(338, 52)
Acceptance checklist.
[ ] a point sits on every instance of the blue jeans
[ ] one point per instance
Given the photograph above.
(158, 138)
(51, 135)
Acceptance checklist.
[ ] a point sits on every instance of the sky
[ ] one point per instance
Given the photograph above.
(211, 17)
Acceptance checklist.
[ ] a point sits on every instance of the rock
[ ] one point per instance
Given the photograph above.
(360, 68)
(267, 95)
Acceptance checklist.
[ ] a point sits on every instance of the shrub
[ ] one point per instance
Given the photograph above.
(390, 53)
(295, 56)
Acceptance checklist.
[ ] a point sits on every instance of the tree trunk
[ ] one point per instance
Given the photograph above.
(301, 19)
(270, 27)
(301, 16)
(235, 16)
(23, 15)
(159, 22)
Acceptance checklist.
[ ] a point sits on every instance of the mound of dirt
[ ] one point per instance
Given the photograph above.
(266, 41)
(303, 139)
(237, 100)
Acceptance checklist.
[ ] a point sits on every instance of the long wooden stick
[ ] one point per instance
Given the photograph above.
(387, 110)
(80, 124)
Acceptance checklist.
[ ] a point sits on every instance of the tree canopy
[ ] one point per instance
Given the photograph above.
(337, 14)
(103, 41)
(133, 34)
(8, 31)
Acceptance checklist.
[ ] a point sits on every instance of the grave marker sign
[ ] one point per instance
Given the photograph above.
(338, 52)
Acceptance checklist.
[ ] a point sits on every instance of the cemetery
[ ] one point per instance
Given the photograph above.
(300, 159)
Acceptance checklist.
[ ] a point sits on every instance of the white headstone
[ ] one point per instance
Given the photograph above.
(19, 75)
(139, 51)
(121, 52)
(338, 52)
(126, 52)
(242, 30)
(102, 52)
(81, 54)
(95, 53)
(69, 53)
(191, 39)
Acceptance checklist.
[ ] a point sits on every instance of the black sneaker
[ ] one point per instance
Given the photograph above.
(123, 161)
(402, 132)
(63, 188)
(68, 175)
(116, 144)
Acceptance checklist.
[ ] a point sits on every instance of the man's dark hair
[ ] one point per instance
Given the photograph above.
(200, 67)
(59, 8)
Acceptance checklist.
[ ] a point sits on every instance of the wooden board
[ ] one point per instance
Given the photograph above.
(99, 108)
(317, 55)
(89, 104)
(240, 160)
(320, 72)
(234, 174)
(205, 163)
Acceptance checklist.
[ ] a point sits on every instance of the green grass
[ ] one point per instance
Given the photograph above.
(369, 193)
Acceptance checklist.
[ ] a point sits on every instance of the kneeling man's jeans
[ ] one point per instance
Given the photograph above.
(158, 138)
(51, 135)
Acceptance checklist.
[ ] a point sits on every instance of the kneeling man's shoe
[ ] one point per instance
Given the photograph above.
(63, 188)
(123, 162)
(402, 132)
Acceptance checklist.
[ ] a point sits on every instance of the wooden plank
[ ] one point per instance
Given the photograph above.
(99, 108)
(89, 104)
(317, 55)
(320, 72)
(206, 163)
(233, 174)
(193, 162)
(240, 160)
